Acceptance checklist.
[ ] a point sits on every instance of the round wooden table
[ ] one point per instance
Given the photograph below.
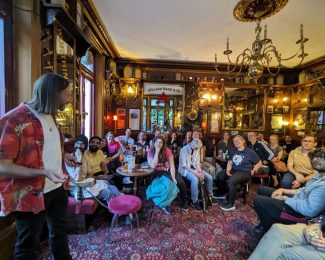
(137, 171)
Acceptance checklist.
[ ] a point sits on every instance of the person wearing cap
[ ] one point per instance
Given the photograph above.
(190, 167)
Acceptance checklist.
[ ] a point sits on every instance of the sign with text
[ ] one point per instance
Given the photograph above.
(158, 89)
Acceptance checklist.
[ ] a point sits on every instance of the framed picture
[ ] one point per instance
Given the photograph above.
(269, 109)
(215, 122)
(276, 123)
(299, 119)
(120, 124)
(134, 118)
(285, 109)
(120, 111)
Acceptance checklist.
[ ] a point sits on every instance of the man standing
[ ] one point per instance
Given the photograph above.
(30, 149)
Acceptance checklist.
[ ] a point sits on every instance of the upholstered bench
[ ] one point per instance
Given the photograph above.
(78, 212)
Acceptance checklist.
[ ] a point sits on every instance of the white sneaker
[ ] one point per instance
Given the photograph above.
(127, 180)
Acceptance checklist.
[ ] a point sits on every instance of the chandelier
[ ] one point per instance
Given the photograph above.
(263, 52)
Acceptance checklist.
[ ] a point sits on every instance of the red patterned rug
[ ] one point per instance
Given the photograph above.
(182, 235)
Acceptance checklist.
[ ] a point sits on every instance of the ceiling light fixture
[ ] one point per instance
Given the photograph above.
(263, 51)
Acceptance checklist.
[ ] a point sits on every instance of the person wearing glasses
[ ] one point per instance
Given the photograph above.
(304, 202)
(299, 164)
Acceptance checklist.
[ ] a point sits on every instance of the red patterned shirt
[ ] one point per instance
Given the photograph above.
(22, 139)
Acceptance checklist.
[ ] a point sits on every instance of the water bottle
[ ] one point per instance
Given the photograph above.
(131, 162)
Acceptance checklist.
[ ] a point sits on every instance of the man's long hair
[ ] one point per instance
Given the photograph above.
(46, 92)
(162, 158)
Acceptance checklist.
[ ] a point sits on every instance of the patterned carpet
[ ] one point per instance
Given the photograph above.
(182, 235)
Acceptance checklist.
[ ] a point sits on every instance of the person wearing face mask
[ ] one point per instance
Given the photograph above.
(93, 161)
(102, 189)
(190, 168)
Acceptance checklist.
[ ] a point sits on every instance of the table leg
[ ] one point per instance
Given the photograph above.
(135, 185)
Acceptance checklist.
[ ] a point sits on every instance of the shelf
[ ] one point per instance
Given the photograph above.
(311, 82)
(59, 13)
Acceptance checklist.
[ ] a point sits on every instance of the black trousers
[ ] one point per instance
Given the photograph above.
(180, 182)
(29, 227)
(269, 209)
(233, 180)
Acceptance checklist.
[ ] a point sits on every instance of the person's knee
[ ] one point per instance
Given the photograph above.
(258, 201)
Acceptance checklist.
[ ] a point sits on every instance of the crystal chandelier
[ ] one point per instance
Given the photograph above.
(263, 51)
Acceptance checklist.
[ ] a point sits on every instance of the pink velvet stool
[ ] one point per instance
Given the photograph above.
(125, 205)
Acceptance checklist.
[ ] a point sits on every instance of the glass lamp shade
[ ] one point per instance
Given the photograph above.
(255, 71)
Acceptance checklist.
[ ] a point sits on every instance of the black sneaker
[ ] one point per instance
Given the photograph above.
(227, 207)
(196, 206)
(185, 205)
(213, 200)
(167, 210)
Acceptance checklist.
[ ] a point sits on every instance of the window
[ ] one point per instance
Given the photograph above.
(2, 70)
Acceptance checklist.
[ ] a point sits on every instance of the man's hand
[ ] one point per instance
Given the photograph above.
(228, 173)
(300, 178)
(70, 160)
(55, 176)
(296, 184)
(277, 193)
(283, 197)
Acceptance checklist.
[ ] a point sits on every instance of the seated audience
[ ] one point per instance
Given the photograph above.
(260, 137)
(103, 145)
(291, 242)
(190, 167)
(125, 140)
(175, 147)
(142, 146)
(161, 159)
(299, 164)
(100, 188)
(261, 149)
(307, 201)
(93, 161)
(188, 138)
(278, 152)
(224, 146)
(243, 162)
(288, 145)
(156, 133)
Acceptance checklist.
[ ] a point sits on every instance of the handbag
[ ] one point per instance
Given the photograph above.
(279, 166)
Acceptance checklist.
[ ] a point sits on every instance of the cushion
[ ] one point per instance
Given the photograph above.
(125, 204)
(84, 207)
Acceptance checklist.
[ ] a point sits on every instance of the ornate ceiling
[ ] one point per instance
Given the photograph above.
(196, 30)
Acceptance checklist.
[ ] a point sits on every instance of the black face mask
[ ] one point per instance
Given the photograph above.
(93, 148)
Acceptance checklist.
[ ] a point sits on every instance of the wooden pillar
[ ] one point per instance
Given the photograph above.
(99, 80)
(27, 47)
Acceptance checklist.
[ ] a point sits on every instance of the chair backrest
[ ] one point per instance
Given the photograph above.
(286, 216)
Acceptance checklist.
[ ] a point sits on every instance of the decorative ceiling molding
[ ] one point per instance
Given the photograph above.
(100, 28)
(255, 10)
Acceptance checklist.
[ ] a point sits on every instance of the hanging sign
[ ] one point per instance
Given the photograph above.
(159, 89)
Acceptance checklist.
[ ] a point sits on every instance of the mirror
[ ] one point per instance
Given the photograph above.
(244, 108)
(65, 49)
(316, 121)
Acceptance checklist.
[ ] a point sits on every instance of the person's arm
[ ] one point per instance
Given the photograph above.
(229, 167)
(312, 205)
(256, 167)
(172, 168)
(152, 161)
(280, 154)
(282, 191)
(117, 154)
(10, 170)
